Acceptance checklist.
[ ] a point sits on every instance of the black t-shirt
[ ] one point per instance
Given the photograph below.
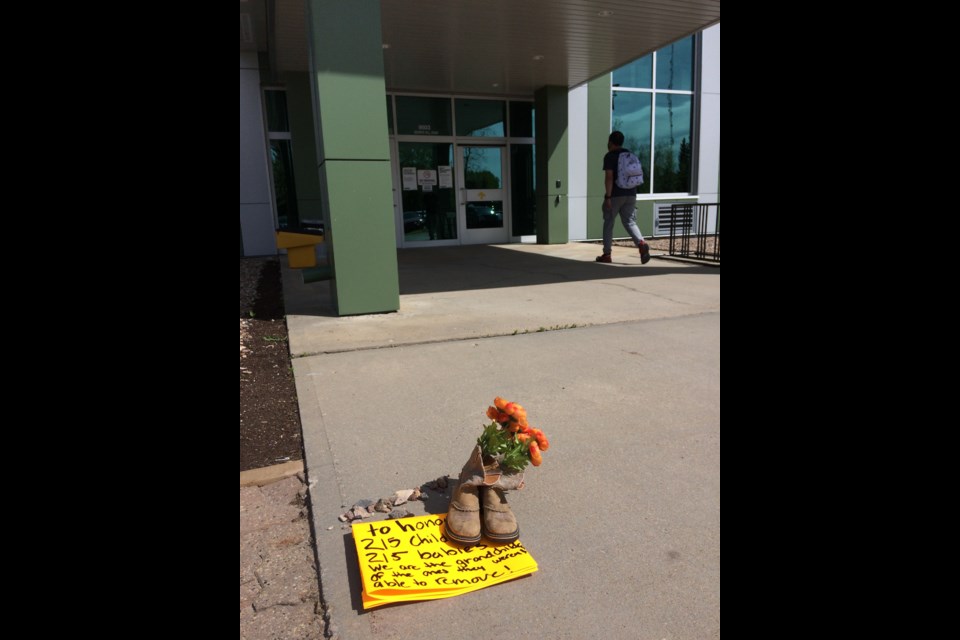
(610, 164)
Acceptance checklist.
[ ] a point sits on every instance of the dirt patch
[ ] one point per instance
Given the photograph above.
(269, 414)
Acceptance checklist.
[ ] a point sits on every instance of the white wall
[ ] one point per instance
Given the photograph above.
(577, 162)
(708, 166)
(256, 208)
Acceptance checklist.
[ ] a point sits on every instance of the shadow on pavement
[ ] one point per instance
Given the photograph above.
(490, 267)
(479, 267)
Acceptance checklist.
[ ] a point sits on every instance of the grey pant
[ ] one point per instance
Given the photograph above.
(626, 206)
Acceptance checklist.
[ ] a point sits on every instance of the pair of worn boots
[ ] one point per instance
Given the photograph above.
(479, 507)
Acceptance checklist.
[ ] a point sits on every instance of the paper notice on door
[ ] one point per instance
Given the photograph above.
(426, 177)
(445, 174)
(409, 178)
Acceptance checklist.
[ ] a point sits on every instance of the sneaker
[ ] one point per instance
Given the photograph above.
(644, 253)
(604, 258)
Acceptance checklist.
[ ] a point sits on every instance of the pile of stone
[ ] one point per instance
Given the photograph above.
(369, 508)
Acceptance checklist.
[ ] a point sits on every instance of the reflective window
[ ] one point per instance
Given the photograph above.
(276, 110)
(675, 66)
(637, 109)
(481, 168)
(638, 74)
(483, 180)
(423, 116)
(389, 116)
(630, 114)
(673, 156)
(521, 119)
(284, 189)
(481, 117)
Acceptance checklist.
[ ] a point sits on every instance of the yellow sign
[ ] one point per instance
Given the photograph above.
(411, 559)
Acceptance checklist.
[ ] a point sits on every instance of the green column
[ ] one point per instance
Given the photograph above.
(551, 135)
(598, 131)
(353, 154)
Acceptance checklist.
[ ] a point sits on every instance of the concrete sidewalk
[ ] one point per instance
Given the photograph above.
(623, 517)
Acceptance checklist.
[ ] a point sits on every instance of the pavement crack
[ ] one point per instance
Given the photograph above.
(647, 293)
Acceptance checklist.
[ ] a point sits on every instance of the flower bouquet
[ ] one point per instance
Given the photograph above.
(509, 441)
(502, 452)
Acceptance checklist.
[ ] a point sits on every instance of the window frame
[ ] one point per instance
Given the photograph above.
(653, 91)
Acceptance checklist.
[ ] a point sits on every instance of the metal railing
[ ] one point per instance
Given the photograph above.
(695, 231)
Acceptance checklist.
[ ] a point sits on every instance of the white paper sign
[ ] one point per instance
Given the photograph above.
(446, 177)
(426, 177)
(409, 178)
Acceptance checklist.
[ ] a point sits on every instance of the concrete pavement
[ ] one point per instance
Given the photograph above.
(623, 517)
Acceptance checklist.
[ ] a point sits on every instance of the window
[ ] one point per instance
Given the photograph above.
(423, 116)
(652, 104)
(479, 118)
(281, 158)
(521, 119)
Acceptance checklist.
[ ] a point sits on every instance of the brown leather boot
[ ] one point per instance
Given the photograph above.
(463, 517)
(499, 523)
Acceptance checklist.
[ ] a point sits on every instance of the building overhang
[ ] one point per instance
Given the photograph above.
(494, 47)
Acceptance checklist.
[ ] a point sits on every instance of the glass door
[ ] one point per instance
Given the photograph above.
(482, 194)
(427, 193)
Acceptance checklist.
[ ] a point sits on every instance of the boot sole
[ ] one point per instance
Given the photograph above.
(458, 538)
(500, 537)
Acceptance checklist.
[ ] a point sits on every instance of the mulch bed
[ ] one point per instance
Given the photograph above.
(269, 413)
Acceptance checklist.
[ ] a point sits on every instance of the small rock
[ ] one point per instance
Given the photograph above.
(330, 528)
(363, 503)
(383, 505)
(402, 496)
(360, 513)
(343, 517)
(399, 513)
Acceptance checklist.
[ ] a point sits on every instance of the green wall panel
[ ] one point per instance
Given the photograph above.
(552, 165)
(348, 61)
(354, 157)
(361, 235)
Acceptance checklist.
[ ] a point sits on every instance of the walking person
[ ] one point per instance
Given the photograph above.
(619, 201)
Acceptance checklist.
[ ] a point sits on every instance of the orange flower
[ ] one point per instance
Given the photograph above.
(510, 437)
(541, 439)
(535, 458)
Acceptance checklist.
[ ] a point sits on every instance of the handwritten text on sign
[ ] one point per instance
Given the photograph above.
(410, 558)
